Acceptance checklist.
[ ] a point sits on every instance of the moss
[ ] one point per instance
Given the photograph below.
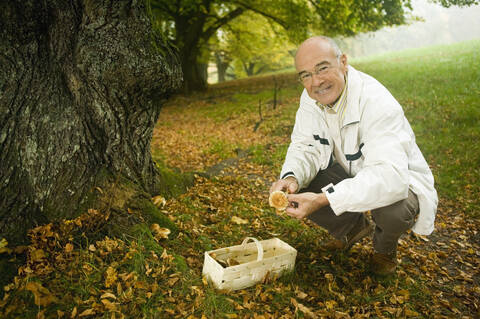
(171, 182)
(153, 215)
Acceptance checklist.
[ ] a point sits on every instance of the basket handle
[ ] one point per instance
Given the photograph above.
(259, 246)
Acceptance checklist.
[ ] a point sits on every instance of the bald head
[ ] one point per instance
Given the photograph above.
(318, 42)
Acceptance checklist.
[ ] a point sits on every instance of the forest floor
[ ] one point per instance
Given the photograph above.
(238, 134)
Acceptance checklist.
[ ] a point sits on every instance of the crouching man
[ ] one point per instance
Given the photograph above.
(352, 151)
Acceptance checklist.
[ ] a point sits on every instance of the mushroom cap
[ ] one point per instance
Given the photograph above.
(279, 200)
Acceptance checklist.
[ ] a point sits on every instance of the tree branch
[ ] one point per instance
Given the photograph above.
(263, 13)
(222, 21)
(160, 5)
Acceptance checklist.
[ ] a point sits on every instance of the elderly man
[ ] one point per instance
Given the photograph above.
(352, 150)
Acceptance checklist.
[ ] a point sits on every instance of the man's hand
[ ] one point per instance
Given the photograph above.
(302, 205)
(287, 185)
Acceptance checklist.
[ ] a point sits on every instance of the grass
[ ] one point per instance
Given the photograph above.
(152, 277)
(439, 88)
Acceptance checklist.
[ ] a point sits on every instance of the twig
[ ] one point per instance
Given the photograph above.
(259, 113)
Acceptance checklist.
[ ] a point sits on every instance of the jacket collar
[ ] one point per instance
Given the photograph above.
(352, 112)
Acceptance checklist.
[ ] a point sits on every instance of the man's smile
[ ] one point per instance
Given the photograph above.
(322, 91)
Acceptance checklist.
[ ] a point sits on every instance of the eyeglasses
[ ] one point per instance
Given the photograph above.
(319, 70)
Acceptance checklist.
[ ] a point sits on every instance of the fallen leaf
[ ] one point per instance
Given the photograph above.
(3, 246)
(68, 248)
(87, 312)
(159, 201)
(108, 295)
(239, 221)
(74, 312)
(305, 310)
(160, 232)
(110, 276)
(42, 296)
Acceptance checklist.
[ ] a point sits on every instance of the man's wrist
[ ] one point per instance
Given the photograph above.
(321, 200)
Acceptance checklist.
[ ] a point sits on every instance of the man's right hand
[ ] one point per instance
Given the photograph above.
(287, 185)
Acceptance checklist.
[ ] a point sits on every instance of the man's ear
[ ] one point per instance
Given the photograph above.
(344, 61)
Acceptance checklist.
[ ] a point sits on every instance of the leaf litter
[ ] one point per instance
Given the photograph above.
(159, 275)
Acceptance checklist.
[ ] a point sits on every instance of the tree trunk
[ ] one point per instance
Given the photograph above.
(249, 68)
(78, 81)
(222, 66)
(194, 73)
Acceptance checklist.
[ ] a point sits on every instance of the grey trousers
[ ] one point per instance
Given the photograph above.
(390, 221)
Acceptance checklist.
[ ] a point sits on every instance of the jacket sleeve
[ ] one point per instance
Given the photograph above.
(384, 177)
(305, 156)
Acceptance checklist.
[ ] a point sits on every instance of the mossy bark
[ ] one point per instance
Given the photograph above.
(81, 84)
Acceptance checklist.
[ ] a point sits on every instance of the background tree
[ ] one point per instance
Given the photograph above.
(255, 45)
(191, 23)
(78, 81)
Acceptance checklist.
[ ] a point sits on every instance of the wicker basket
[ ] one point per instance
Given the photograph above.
(256, 260)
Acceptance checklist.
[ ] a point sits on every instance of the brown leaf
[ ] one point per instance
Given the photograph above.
(305, 310)
(110, 276)
(68, 248)
(87, 312)
(42, 296)
(160, 232)
(37, 255)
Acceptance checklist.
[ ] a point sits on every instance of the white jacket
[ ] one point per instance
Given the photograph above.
(379, 146)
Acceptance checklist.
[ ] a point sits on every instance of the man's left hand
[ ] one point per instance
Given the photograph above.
(304, 204)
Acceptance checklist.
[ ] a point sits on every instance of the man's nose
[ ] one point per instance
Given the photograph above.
(317, 80)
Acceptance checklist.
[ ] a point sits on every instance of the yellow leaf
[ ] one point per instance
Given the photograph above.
(68, 248)
(74, 312)
(37, 255)
(108, 295)
(110, 276)
(160, 232)
(172, 281)
(42, 296)
(3, 246)
(239, 221)
(3, 243)
(109, 305)
(411, 313)
(159, 201)
(87, 312)
(330, 304)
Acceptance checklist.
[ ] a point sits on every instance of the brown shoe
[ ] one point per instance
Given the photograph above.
(384, 264)
(349, 241)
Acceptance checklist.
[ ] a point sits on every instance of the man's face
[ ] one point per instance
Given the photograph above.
(321, 72)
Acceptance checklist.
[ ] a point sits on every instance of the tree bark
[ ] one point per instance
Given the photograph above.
(194, 72)
(222, 66)
(81, 84)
